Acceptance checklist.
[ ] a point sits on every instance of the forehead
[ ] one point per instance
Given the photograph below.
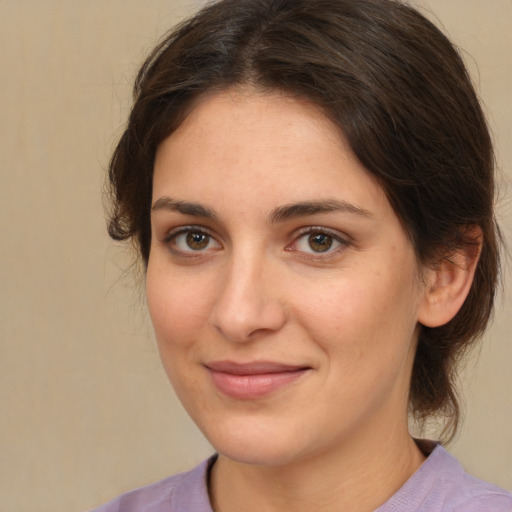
(255, 143)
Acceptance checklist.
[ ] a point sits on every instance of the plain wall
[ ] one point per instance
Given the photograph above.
(85, 409)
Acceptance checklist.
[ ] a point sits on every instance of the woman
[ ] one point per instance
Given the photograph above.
(310, 187)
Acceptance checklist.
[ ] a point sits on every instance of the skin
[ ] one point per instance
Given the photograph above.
(231, 277)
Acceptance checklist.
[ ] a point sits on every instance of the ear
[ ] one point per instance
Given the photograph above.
(447, 284)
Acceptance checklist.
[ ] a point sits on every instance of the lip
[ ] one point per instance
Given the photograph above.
(246, 381)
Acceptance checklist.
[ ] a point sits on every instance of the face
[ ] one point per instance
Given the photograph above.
(282, 288)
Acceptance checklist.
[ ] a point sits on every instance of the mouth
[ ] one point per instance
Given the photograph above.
(246, 381)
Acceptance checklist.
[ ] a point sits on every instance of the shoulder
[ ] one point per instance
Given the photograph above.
(473, 495)
(184, 492)
(442, 484)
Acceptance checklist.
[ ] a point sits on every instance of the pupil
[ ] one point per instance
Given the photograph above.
(320, 242)
(197, 241)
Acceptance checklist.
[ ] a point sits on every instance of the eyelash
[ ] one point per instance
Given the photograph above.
(342, 242)
(170, 240)
(171, 237)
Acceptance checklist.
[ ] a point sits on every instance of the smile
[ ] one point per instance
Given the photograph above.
(253, 380)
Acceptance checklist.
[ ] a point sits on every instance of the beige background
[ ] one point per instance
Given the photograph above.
(85, 410)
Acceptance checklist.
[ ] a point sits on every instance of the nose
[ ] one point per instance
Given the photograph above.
(248, 304)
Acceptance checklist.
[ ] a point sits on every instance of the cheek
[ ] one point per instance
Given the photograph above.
(179, 310)
(368, 318)
(178, 307)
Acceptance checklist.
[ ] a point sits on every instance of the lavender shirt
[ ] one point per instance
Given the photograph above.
(439, 485)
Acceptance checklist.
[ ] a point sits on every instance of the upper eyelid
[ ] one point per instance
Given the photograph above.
(171, 233)
(342, 237)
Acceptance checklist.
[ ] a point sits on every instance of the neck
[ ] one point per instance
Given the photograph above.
(357, 477)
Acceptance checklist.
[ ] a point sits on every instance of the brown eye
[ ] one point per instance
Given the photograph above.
(197, 241)
(320, 242)
(192, 241)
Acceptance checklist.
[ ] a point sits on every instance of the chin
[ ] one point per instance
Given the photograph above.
(258, 454)
(256, 445)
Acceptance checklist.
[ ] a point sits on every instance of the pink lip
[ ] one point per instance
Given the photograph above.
(247, 381)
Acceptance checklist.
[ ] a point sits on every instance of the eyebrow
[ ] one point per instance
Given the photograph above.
(280, 214)
(305, 208)
(185, 207)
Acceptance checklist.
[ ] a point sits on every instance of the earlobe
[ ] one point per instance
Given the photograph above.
(448, 283)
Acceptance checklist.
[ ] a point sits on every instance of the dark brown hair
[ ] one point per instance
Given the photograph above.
(399, 91)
